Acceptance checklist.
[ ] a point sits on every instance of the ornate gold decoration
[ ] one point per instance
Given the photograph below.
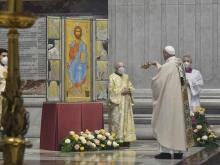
(14, 119)
(102, 25)
(53, 28)
(53, 90)
(145, 65)
(54, 74)
(5, 74)
(16, 20)
(15, 147)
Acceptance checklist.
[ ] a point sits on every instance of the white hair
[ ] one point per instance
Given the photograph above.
(188, 56)
(116, 65)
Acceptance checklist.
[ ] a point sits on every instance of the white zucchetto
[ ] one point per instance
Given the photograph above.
(170, 50)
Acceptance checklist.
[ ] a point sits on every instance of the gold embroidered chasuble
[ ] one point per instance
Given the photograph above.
(121, 121)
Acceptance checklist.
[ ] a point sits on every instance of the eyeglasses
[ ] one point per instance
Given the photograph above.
(121, 67)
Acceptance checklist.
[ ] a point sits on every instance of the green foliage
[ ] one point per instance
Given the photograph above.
(67, 148)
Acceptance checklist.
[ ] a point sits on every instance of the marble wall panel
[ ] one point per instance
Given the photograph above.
(171, 26)
(147, 78)
(35, 122)
(138, 54)
(170, 2)
(197, 63)
(215, 38)
(191, 26)
(189, 32)
(206, 42)
(121, 33)
(121, 2)
(130, 40)
(155, 47)
(138, 2)
(155, 2)
(218, 57)
(206, 1)
(193, 2)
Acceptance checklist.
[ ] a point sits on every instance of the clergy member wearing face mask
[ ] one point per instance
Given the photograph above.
(121, 121)
(3, 73)
(194, 83)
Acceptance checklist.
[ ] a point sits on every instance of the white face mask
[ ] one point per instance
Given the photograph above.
(121, 70)
(4, 60)
(186, 64)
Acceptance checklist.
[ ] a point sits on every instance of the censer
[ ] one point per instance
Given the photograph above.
(145, 65)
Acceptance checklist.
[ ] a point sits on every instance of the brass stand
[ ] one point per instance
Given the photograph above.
(14, 119)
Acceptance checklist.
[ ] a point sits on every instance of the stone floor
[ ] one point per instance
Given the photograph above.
(141, 152)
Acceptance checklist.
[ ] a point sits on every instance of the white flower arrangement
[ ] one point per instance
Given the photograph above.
(204, 135)
(198, 127)
(91, 137)
(115, 144)
(107, 134)
(99, 136)
(89, 141)
(72, 132)
(67, 141)
(109, 143)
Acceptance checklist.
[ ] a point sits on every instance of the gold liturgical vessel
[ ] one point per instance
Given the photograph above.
(145, 65)
(14, 119)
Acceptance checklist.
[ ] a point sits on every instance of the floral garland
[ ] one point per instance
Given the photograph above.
(204, 134)
(89, 141)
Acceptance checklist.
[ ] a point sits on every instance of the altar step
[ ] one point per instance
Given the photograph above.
(206, 156)
(213, 119)
(144, 129)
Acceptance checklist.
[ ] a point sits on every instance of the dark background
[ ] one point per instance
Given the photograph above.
(85, 7)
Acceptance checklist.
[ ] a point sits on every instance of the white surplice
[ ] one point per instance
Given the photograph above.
(195, 85)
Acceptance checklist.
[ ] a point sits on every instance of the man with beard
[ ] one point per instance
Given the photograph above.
(78, 66)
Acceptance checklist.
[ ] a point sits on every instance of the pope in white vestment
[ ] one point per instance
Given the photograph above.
(194, 83)
(168, 120)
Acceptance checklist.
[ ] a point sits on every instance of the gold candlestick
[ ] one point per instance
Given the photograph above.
(14, 119)
(145, 65)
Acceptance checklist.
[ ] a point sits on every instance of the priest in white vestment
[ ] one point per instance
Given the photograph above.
(194, 83)
(121, 120)
(168, 120)
(3, 73)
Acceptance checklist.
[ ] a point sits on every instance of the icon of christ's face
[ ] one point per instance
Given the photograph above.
(78, 32)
